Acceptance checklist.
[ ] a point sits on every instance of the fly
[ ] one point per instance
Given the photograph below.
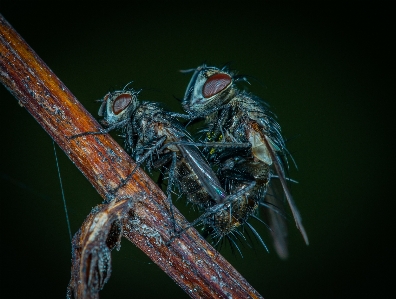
(235, 116)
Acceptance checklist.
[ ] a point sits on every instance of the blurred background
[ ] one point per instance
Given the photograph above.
(324, 69)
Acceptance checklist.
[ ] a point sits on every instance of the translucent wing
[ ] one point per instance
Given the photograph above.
(281, 175)
(204, 172)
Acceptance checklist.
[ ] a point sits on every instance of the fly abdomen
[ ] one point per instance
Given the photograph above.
(227, 220)
(243, 172)
(190, 185)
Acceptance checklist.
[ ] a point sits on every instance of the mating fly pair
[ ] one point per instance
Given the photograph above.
(157, 140)
(238, 117)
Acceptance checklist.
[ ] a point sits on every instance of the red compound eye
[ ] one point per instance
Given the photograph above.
(215, 84)
(121, 102)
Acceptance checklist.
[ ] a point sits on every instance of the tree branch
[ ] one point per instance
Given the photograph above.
(191, 262)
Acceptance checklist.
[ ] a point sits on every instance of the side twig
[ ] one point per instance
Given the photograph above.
(191, 262)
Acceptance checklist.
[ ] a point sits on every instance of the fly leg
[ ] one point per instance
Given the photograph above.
(160, 179)
(102, 131)
(217, 208)
(213, 144)
(141, 160)
(181, 115)
(158, 164)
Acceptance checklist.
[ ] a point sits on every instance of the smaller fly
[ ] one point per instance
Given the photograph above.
(158, 140)
(235, 116)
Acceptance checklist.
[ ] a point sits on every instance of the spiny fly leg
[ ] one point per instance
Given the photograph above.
(242, 145)
(226, 204)
(102, 131)
(148, 153)
(140, 161)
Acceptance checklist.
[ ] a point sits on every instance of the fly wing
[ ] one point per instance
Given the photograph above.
(281, 175)
(204, 172)
(276, 220)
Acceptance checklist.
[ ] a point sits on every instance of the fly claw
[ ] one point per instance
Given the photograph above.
(235, 116)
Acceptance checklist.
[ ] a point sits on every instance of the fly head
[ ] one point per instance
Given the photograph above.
(118, 106)
(208, 90)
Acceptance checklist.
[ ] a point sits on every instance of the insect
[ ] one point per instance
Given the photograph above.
(159, 141)
(235, 116)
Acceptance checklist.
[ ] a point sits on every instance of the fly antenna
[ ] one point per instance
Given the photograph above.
(177, 99)
(187, 71)
(127, 85)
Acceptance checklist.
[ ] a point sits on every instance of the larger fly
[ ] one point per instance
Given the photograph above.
(235, 116)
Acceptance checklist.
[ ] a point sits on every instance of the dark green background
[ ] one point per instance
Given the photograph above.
(325, 70)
